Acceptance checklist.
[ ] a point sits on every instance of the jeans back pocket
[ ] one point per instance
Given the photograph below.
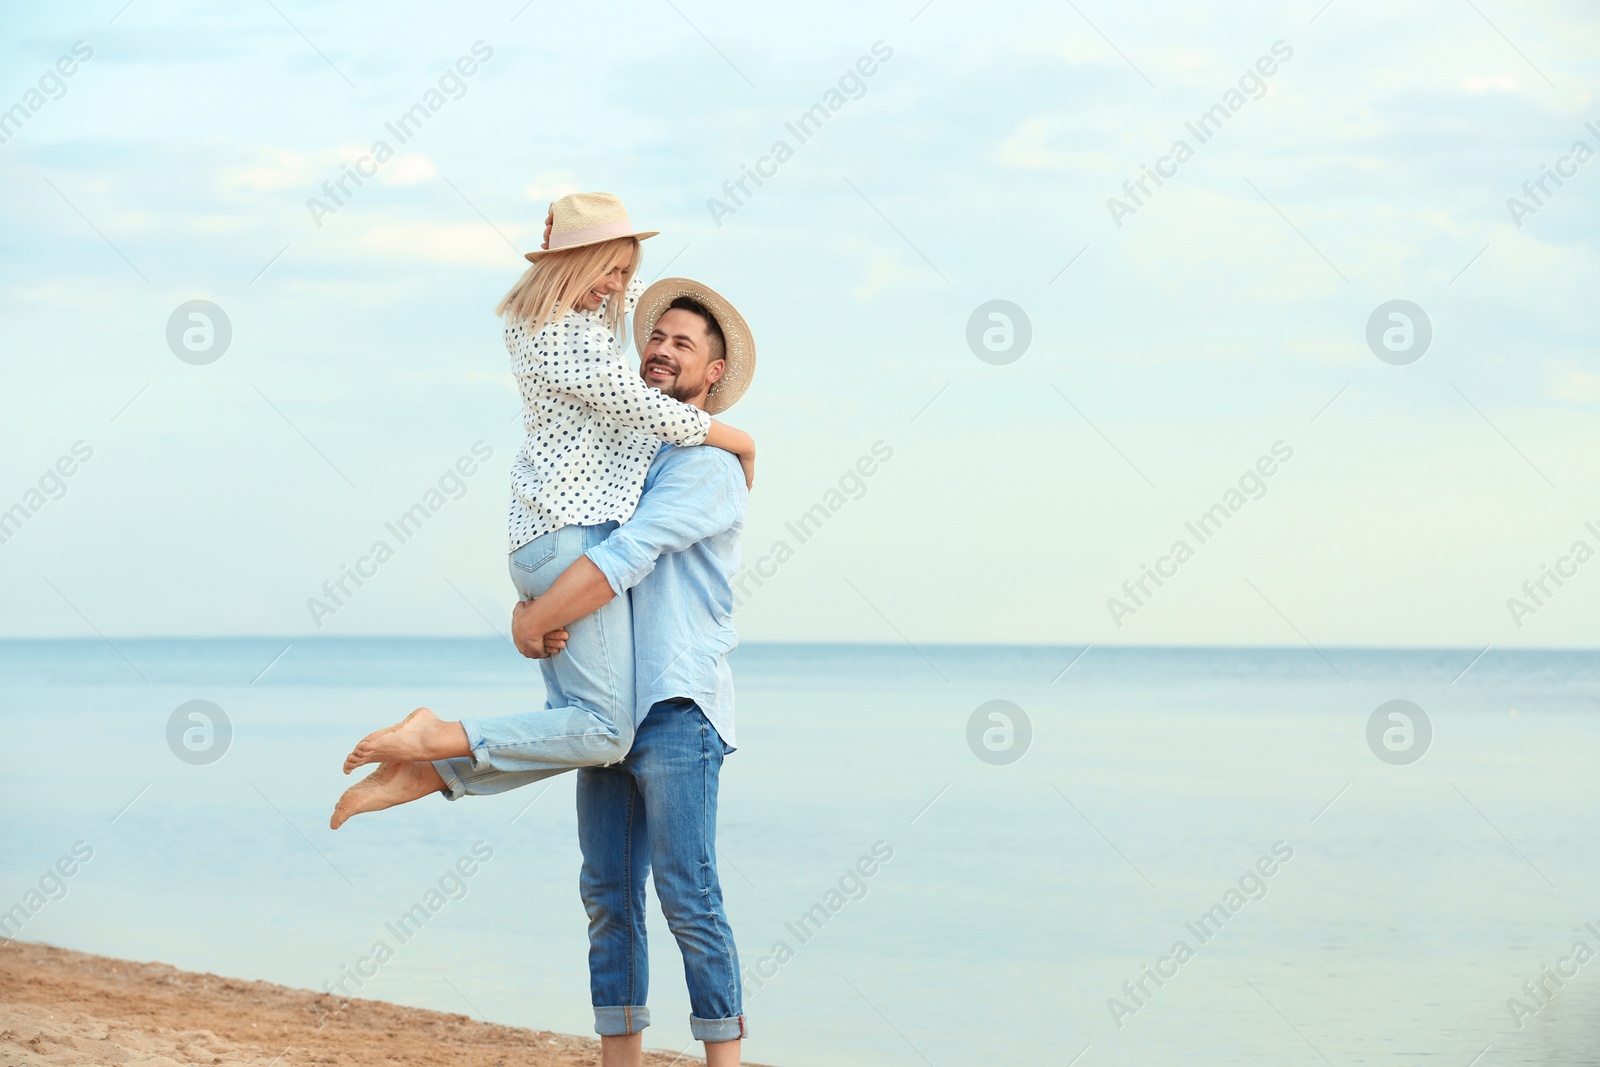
(528, 561)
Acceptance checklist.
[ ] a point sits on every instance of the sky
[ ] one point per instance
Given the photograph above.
(1183, 339)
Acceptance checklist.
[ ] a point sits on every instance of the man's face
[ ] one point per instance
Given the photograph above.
(677, 358)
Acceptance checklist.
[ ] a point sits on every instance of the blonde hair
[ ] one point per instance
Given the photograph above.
(556, 282)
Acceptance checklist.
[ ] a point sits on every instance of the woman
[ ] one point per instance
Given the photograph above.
(593, 428)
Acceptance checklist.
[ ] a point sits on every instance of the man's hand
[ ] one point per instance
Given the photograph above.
(529, 642)
(539, 627)
(519, 634)
(549, 221)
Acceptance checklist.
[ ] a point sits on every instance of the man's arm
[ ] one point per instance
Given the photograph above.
(579, 590)
(696, 495)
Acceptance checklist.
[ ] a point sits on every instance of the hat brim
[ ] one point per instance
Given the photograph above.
(739, 342)
(536, 256)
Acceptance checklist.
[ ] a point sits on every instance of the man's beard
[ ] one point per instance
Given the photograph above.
(677, 389)
(685, 393)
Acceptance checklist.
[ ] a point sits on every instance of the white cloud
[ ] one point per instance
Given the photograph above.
(1478, 83)
(278, 169)
(126, 221)
(309, 295)
(220, 224)
(1574, 385)
(1029, 149)
(1194, 239)
(407, 170)
(884, 271)
(467, 243)
(52, 295)
(551, 185)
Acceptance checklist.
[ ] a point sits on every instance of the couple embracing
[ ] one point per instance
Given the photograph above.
(627, 503)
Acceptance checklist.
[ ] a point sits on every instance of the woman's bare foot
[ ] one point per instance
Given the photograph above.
(390, 784)
(422, 735)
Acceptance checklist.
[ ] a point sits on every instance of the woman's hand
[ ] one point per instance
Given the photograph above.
(747, 460)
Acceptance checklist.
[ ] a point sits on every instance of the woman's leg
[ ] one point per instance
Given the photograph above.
(588, 717)
(420, 736)
(461, 778)
(390, 785)
(393, 784)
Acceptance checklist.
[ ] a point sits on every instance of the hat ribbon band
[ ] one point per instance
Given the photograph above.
(604, 231)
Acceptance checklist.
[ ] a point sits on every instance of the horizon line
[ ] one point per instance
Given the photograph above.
(910, 646)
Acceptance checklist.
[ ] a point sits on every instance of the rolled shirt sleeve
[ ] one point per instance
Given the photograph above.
(689, 501)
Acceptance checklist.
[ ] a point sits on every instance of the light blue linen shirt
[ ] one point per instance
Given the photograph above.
(678, 554)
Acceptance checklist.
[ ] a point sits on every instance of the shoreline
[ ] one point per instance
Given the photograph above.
(68, 1008)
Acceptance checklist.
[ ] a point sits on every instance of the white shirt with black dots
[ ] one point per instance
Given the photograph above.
(593, 425)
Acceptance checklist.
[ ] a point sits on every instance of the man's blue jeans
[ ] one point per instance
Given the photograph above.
(658, 809)
(587, 718)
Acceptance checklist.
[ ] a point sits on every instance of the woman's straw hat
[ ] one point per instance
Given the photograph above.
(580, 219)
(739, 343)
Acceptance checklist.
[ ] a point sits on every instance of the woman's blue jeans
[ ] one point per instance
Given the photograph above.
(658, 810)
(588, 714)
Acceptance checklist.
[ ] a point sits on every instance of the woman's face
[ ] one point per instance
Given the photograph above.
(612, 282)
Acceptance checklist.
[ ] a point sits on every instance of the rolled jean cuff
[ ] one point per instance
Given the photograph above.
(620, 1021)
(455, 770)
(450, 770)
(474, 734)
(714, 1030)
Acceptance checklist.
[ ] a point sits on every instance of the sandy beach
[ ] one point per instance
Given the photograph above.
(70, 1008)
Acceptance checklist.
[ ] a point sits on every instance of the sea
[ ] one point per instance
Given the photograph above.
(931, 855)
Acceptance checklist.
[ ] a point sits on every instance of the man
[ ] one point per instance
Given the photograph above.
(655, 809)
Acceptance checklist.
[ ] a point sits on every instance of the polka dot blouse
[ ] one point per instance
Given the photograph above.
(593, 425)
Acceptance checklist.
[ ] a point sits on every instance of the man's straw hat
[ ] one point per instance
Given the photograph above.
(587, 219)
(740, 344)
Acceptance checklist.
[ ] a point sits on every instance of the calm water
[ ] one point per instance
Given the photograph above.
(1018, 899)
